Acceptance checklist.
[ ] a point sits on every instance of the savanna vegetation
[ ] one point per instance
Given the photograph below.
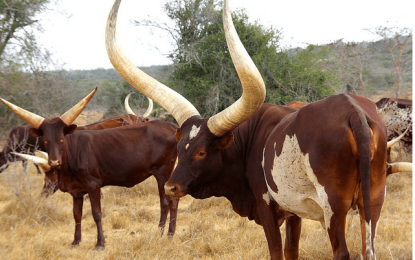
(34, 227)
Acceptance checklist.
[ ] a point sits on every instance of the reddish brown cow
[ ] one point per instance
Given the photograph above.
(124, 156)
(21, 141)
(334, 149)
(297, 104)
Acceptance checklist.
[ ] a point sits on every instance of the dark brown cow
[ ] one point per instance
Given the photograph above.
(124, 156)
(20, 141)
(334, 150)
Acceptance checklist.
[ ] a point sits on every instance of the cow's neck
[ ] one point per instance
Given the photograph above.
(232, 183)
(66, 178)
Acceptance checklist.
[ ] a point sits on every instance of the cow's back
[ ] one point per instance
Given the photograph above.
(117, 154)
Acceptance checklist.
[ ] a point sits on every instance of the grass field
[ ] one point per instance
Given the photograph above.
(34, 227)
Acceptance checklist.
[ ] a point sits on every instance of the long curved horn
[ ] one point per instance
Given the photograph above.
(27, 116)
(69, 116)
(400, 167)
(176, 104)
(393, 141)
(253, 95)
(43, 163)
(43, 153)
(131, 112)
(127, 105)
(149, 109)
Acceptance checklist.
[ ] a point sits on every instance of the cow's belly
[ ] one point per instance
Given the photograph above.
(299, 191)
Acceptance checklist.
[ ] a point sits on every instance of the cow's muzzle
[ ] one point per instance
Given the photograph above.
(54, 163)
(173, 190)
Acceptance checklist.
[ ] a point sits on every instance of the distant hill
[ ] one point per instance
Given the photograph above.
(159, 72)
(378, 75)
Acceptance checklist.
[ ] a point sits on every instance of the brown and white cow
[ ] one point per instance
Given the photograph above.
(396, 114)
(335, 148)
(124, 156)
(21, 141)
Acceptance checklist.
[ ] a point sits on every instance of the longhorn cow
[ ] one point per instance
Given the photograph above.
(21, 141)
(87, 160)
(317, 162)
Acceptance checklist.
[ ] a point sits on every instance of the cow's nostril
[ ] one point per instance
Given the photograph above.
(171, 189)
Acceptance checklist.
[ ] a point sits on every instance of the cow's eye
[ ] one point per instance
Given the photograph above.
(61, 141)
(46, 141)
(201, 155)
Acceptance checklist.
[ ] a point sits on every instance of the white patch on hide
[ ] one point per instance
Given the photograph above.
(186, 147)
(369, 246)
(266, 197)
(195, 130)
(299, 191)
(177, 162)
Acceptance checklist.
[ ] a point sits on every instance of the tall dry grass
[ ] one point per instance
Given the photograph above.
(33, 227)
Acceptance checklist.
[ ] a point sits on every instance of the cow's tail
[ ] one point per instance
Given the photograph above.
(362, 134)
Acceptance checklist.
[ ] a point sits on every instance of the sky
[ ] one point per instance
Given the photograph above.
(77, 38)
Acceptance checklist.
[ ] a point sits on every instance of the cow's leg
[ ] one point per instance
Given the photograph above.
(174, 204)
(368, 230)
(77, 214)
(95, 198)
(337, 236)
(269, 221)
(292, 240)
(161, 178)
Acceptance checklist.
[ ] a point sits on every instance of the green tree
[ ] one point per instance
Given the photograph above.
(18, 19)
(203, 69)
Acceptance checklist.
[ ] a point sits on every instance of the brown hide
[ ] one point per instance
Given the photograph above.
(335, 150)
(297, 104)
(114, 122)
(122, 156)
(21, 141)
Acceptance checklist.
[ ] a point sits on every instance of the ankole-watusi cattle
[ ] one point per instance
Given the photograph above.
(257, 155)
(21, 141)
(124, 156)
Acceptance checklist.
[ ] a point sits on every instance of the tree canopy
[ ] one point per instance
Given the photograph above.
(204, 72)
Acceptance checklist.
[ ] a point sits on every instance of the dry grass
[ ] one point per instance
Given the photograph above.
(33, 227)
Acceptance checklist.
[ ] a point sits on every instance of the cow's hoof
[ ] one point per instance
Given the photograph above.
(99, 248)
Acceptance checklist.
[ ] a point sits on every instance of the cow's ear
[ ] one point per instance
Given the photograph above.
(225, 141)
(36, 132)
(178, 134)
(69, 129)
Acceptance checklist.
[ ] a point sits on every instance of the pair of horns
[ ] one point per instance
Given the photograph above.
(35, 120)
(252, 83)
(131, 112)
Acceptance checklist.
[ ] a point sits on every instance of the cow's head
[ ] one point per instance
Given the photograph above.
(200, 140)
(54, 130)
